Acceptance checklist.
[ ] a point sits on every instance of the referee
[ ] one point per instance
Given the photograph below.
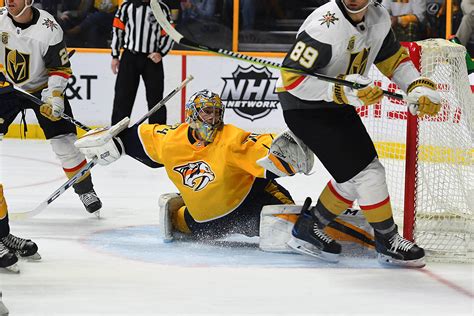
(145, 44)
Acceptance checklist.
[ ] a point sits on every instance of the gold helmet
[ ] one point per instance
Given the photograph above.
(205, 114)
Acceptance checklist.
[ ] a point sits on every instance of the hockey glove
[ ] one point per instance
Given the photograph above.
(422, 93)
(288, 155)
(102, 143)
(371, 94)
(54, 104)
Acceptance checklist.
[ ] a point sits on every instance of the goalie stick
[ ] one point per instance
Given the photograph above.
(180, 39)
(92, 163)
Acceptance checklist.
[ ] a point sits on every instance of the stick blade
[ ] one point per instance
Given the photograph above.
(163, 21)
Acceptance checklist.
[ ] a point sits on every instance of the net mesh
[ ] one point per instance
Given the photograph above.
(444, 193)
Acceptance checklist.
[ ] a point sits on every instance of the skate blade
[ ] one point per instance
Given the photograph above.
(392, 262)
(97, 214)
(306, 248)
(33, 257)
(14, 268)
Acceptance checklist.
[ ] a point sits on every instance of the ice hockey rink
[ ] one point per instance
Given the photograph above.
(116, 265)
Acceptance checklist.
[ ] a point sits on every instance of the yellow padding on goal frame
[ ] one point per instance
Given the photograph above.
(391, 150)
(426, 153)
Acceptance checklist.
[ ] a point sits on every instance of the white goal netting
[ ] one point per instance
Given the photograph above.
(436, 189)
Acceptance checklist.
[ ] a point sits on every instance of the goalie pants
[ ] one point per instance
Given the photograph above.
(337, 137)
(132, 66)
(245, 219)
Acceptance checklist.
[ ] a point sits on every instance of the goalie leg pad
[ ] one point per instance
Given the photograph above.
(352, 227)
(169, 203)
(276, 223)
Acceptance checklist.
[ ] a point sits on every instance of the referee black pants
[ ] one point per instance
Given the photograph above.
(132, 66)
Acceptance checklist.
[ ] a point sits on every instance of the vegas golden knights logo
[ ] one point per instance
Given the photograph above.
(358, 62)
(4, 38)
(351, 44)
(17, 65)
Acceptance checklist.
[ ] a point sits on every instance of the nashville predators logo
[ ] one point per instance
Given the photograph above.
(196, 175)
(358, 62)
(17, 65)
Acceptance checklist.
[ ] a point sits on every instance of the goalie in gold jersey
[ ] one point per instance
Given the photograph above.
(212, 164)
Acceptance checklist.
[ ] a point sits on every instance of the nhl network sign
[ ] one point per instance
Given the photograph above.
(250, 92)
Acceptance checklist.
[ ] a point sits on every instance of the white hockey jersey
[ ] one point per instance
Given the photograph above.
(34, 55)
(330, 43)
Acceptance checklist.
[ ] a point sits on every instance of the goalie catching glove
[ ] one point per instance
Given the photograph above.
(288, 155)
(53, 106)
(423, 95)
(369, 94)
(102, 143)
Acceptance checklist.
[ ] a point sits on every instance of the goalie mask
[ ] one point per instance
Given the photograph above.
(205, 114)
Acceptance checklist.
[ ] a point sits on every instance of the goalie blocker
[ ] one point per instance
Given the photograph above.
(276, 223)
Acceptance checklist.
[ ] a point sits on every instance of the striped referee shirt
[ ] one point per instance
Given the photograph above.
(136, 29)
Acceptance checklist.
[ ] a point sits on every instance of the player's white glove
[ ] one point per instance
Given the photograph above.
(102, 143)
(371, 94)
(54, 104)
(288, 155)
(423, 95)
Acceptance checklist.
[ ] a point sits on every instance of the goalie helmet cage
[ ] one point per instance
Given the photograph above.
(429, 161)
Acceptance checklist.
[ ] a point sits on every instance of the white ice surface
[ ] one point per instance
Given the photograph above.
(117, 265)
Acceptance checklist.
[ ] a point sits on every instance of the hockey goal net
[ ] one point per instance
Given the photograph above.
(429, 161)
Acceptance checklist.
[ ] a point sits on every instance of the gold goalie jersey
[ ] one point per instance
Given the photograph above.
(215, 178)
(330, 43)
(34, 55)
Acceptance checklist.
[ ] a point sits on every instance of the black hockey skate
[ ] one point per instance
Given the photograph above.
(8, 259)
(398, 251)
(91, 201)
(24, 248)
(308, 238)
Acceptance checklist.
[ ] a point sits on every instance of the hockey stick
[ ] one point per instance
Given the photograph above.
(180, 39)
(37, 101)
(92, 163)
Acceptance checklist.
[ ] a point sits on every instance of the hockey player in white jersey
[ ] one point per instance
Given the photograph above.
(35, 58)
(344, 38)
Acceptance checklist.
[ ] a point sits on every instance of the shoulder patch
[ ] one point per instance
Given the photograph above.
(50, 24)
(328, 19)
(3, 10)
